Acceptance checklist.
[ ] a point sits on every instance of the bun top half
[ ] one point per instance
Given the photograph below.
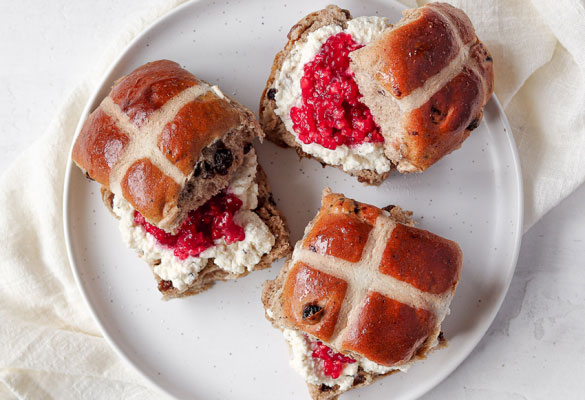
(426, 81)
(148, 141)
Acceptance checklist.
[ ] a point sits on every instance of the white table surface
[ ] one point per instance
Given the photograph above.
(533, 350)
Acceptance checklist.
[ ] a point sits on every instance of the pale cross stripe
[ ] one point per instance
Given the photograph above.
(364, 276)
(472, 63)
(142, 142)
(421, 95)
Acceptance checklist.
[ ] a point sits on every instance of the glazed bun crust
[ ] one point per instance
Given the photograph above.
(414, 52)
(341, 236)
(422, 259)
(149, 190)
(148, 136)
(99, 146)
(445, 121)
(420, 46)
(307, 287)
(382, 321)
(149, 87)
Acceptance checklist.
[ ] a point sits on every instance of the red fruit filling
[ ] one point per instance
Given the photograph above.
(331, 113)
(212, 221)
(333, 363)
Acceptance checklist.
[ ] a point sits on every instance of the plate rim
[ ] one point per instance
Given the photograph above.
(431, 383)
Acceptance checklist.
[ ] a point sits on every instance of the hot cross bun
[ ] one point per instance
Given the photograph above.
(175, 159)
(367, 96)
(367, 284)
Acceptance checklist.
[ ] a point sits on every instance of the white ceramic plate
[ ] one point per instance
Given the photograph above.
(217, 345)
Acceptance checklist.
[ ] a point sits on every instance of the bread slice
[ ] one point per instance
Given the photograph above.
(272, 125)
(268, 213)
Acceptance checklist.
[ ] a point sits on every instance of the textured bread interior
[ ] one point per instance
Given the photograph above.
(201, 185)
(271, 299)
(382, 105)
(270, 215)
(271, 123)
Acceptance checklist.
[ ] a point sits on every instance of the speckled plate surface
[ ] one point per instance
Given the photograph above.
(218, 345)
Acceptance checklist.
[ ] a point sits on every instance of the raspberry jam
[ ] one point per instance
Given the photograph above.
(212, 221)
(333, 363)
(331, 113)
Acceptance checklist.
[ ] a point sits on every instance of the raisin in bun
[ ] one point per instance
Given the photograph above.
(164, 143)
(424, 81)
(363, 287)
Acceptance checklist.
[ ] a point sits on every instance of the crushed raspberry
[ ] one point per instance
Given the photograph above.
(212, 221)
(333, 363)
(331, 113)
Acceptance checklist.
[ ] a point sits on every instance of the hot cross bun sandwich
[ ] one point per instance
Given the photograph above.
(175, 160)
(363, 295)
(366, 96)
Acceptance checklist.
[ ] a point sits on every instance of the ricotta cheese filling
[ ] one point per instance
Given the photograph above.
(311, 369)
(234, 258)
(288, 94)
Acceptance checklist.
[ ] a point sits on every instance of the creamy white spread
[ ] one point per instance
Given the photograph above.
(311, 369)
(235, 258)
(288, 94)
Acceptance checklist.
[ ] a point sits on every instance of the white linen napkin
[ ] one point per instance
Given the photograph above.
(539, 62)
(52, 347)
